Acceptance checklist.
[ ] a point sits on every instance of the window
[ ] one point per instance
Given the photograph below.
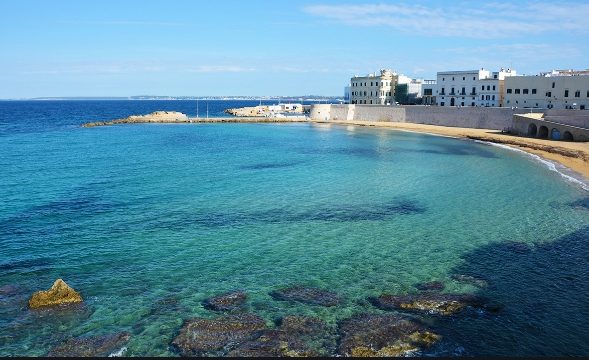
(443, 79)
(525, 91)
(442, 92)
(371, 84)
(376, 83)
(548, 93)
(493, 97)
(553, 84)
(452, 78)
(474, 90)
(509, 91)
(463, 91)
(488, 87)
(493, 87)
(471, 104)
(463, 78)
(474, 78)
(566, 93)
(442, 103)
(578, 93)
(533, 92)
(483, 87)
(494, 77)
(482, 97)
(462, 103)
(517, 91)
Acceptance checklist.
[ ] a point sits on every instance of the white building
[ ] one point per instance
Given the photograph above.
(373, 89)
(428, 92)
(559, 89)
(471, 87)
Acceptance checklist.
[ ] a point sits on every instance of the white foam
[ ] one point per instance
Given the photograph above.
(119, 353)
(562, 170)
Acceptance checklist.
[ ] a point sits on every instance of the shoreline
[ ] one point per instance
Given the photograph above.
(574, 156)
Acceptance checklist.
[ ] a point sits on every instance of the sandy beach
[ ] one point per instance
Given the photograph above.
(573, 155)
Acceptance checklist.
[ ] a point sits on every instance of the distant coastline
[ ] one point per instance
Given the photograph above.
(309, 98)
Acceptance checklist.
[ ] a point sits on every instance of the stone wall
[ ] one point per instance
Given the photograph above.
(469, 117)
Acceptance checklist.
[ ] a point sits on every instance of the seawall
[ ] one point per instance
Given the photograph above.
(466, 117)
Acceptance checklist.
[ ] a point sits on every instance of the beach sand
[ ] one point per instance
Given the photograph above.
(573, 155)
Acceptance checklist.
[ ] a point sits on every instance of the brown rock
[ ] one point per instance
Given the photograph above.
(59, 294)
(91, 346)
(296, 336)
(440, 304)
(226, 302)
(216, 337)
(368, 335)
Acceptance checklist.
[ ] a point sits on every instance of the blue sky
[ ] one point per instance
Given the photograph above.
(121, 48)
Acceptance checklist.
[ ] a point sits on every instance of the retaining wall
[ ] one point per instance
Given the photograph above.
(469, 117)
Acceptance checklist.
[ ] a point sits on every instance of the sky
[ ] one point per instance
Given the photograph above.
(257, 48)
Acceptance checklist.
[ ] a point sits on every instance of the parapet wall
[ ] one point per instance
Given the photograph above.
(469, 117)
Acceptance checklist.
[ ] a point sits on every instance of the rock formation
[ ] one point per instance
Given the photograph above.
(226, 302)
(95, 346)
(60, 293)
(368, 335)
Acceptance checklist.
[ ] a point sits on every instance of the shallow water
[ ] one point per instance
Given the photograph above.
(147, 221)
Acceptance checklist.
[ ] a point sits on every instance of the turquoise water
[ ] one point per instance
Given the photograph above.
(133, 216)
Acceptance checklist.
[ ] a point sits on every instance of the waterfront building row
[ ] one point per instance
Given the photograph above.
(559, 89)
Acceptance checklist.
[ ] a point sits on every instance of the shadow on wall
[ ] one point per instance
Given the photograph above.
(545, 294)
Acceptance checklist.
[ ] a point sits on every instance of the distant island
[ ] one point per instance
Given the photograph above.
(300, 98)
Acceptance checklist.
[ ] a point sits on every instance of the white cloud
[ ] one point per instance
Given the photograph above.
(470, 20)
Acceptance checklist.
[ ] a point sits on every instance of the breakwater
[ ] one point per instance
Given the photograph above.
(173, 117)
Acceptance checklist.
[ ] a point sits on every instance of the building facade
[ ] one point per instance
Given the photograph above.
(428, 92)
(472, 87)
(373, 89)
(559, 89)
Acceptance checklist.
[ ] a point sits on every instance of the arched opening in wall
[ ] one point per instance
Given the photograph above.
(532, 130)
(543, 132)
(555, 134)
(567, 136)
(452, 103)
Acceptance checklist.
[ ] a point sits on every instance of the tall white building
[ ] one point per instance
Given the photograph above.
(373, 89)
(471, 87)
(559, 89)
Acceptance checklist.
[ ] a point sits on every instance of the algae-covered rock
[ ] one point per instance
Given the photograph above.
(307, 295)
(215, 337)
(368, 335)
(440, 304)
(226, 302)
(91, 346)
(60, 293)
(296, 336)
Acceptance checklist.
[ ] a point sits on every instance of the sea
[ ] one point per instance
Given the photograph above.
(147, 221)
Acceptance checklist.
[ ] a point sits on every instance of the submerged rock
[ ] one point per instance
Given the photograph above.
(92, 346)
(441, 304)
(368, 335)
(430, 286)
(226, 302)
(60, 293)
(9, 290)
(307, 295)
(216, 337)
(296, 336)
(471, 280)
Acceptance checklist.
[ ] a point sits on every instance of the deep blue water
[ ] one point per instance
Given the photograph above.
(132, 215)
